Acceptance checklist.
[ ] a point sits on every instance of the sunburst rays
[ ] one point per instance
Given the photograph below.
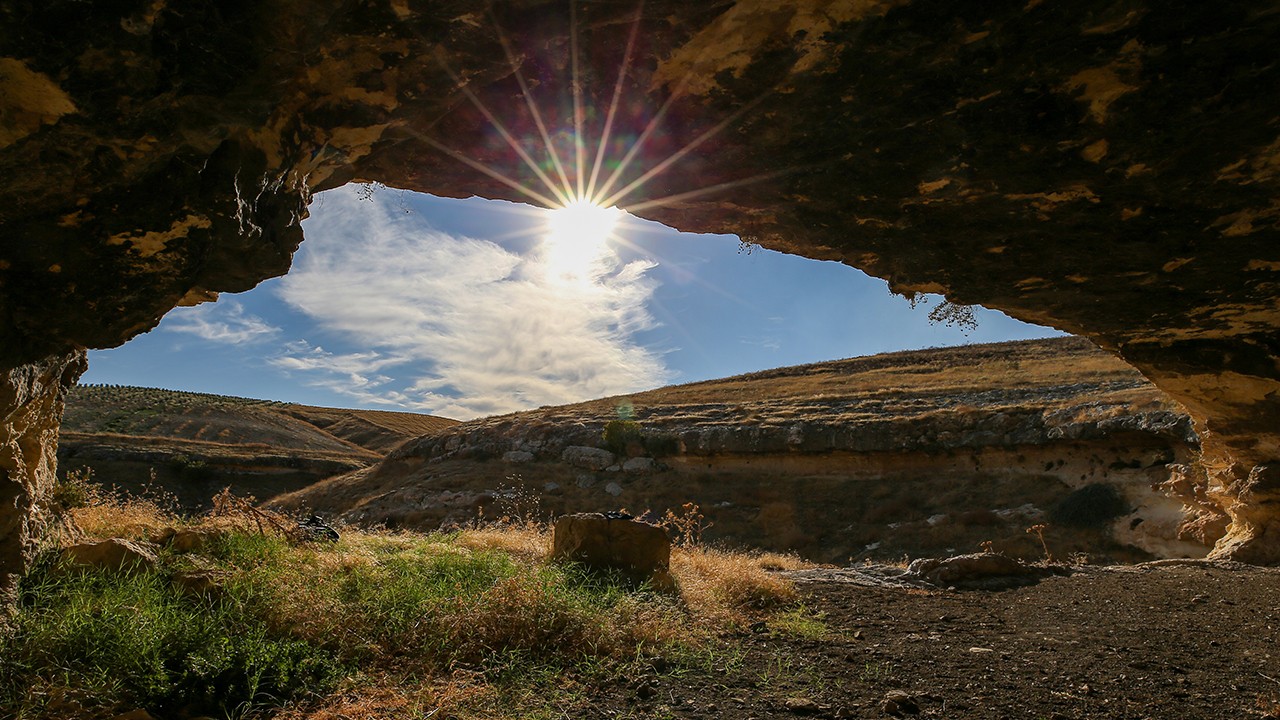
(589, 177)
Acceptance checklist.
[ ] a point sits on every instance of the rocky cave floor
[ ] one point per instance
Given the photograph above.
(1172, 639)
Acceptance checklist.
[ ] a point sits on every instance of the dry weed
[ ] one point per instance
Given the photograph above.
(529, 541)
(130, 518)
(727, 586)
(241, 513)
(775, 562)
(383, 697)
(687, 525)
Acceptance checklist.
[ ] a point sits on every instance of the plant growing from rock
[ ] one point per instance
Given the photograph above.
(619, 435)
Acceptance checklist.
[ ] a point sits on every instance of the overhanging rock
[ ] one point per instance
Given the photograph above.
(1110, 168)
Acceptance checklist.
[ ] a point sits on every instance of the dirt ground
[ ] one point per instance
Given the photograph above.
(1173, 639)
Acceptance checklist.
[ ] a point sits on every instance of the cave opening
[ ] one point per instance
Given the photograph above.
(473, 307)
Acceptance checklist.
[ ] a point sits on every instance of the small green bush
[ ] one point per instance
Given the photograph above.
(620, 434)
(75, 490)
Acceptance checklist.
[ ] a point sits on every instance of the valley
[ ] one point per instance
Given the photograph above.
(875, 458)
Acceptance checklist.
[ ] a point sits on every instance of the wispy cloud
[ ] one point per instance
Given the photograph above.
(225, 322)
(769, 343)
(460, 326)
(356, 375)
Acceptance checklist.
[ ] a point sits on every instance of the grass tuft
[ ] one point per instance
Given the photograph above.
(727, 586)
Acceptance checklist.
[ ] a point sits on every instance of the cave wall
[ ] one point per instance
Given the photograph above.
(31, 401)
(1108, 167)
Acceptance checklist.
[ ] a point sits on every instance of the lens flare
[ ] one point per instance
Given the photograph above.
(576, 236)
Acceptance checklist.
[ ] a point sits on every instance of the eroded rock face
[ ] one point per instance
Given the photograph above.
(31, 400)
(1109, 167)
(639, 551)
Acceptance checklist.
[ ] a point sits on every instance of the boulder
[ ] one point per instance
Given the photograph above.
(976, 567)
(640, 551)
(114, 555)
(199, 582)
(517, 457)
(588, 458)
(897, 702)
(640, 465)
(190, 540)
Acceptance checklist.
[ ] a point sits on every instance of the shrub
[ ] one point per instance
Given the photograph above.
(626, 437)
(620, 434)
(75, 490)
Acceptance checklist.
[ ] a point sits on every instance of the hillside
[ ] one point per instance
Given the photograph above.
(198, 443)
(876, 457)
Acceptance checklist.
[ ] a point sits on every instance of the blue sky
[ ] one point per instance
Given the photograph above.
(460, 308)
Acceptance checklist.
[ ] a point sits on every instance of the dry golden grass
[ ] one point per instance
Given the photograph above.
(529, 541)
(1011, 376)
(199, 423)
(728, 587)
(384, 697)
(773, 561)
(129, 518)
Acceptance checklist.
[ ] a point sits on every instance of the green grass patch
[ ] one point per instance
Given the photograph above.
(800, 622)
(117, 640)
(375, 625)
(292, 623)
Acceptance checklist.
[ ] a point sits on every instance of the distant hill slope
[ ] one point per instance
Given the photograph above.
(871, 456)
(197, 443)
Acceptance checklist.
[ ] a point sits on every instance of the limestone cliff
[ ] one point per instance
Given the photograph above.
(905, 453)
(1108, 167)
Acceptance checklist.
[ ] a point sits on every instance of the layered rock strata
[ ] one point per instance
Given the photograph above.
(1108, 167)
(911, 452)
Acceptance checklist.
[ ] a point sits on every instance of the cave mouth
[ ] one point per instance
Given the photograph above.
(469, 307)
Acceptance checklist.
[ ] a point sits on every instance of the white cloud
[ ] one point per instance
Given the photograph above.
(473, 328)
(350, 374)
(222, 322)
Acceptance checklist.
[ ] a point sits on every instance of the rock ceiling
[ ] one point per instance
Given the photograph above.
(1111, 168)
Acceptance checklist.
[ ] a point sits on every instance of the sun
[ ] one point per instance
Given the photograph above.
(576, 235)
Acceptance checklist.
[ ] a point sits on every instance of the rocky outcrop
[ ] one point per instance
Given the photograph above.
(913, 453)
(970, 570)
(31, 401)
(639, 551)
(1107, 167)
(586, 457)
(110, 555)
